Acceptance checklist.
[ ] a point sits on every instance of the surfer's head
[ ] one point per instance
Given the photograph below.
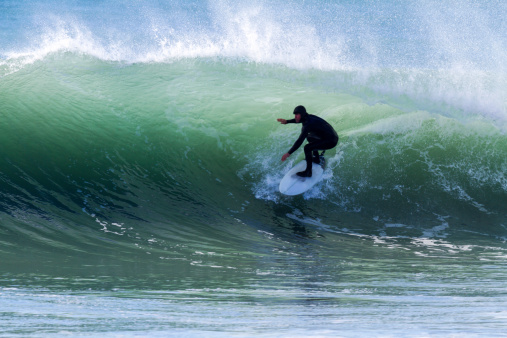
(300, 110)
(300, 113)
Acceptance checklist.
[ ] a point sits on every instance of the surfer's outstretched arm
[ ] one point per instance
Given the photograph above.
(284, 121)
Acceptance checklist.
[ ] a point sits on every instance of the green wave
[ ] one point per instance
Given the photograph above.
(96, 152)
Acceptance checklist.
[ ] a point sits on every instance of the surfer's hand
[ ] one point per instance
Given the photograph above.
(282, 121)
(284, 157)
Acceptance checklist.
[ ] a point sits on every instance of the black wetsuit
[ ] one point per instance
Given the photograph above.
(320, 135)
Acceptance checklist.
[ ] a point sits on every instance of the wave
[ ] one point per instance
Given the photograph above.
(104, 139)
(166, 134)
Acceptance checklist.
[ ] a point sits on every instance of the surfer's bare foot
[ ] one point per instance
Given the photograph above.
(304, 174)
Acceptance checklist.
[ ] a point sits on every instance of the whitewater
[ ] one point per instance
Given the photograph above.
(140, 163)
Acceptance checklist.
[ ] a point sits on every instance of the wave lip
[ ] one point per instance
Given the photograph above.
(325, 36)
(440, 57)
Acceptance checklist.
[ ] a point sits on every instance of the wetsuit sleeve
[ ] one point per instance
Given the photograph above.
(299, 141)
(291, 121)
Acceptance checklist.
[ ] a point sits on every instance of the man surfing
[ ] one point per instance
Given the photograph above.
(320, 135)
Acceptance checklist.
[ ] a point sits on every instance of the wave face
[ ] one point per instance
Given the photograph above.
(152, 127)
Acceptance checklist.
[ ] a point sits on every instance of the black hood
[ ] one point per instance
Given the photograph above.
(301, 110)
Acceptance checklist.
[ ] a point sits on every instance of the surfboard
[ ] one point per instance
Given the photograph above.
(292, 184)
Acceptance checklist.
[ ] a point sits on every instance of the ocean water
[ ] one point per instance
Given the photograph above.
(140, 162)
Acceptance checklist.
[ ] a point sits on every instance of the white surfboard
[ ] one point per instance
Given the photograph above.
(292, 184)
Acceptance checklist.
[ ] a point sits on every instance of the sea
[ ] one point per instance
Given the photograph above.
(140, 157)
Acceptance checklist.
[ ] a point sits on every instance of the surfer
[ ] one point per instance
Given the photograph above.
(320, 135)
